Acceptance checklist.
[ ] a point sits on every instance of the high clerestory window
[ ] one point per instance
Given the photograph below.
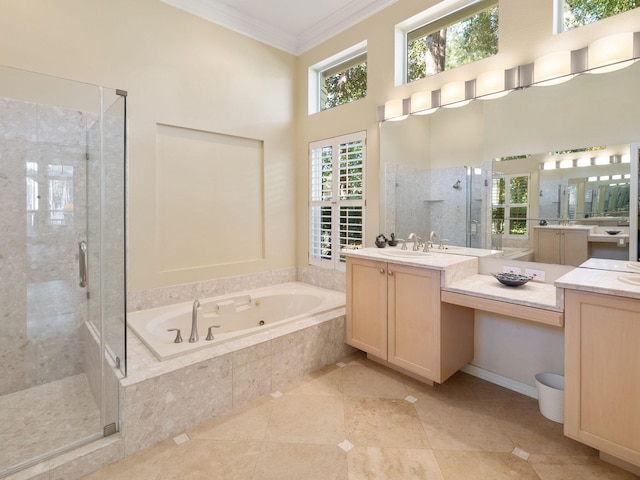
(336, 203)
(455, 39)
(339, 79)
(577, 13)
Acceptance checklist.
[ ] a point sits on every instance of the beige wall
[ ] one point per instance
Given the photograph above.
(525, 34)
(182, 71)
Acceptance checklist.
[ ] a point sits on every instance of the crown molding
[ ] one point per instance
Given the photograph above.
(352, 13)
(219, 13)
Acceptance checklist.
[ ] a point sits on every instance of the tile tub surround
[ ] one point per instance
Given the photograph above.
(161, 399)
(158, 297)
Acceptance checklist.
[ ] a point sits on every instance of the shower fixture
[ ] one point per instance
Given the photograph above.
(457, 185)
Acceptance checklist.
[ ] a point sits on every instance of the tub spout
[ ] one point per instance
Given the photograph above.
(194, 323)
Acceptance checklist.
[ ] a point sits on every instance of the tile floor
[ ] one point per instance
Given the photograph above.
(357, 421)
(41, 419)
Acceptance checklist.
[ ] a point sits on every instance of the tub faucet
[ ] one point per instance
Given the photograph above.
(194, 323)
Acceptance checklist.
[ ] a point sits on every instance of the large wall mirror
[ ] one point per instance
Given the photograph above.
(547, 173)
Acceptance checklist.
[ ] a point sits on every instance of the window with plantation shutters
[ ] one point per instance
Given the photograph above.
(336, 204)
(510, 205)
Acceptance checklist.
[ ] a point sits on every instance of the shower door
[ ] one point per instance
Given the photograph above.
(62, 358)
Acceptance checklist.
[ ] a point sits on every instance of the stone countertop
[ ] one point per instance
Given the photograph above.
(566, 227)
(616, 265)
(600, 281)
(433, 260)
(453, 266)
(531, 294)
(605, 237)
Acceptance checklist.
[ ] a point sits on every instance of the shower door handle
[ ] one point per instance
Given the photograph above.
(82, 262)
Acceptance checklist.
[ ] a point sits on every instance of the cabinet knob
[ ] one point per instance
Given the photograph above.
(382, 270)
(390, 272)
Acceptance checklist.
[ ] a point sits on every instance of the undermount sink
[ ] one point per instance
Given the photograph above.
(632, 278)
(406, 253)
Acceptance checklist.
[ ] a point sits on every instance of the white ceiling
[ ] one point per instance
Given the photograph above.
(294, 26)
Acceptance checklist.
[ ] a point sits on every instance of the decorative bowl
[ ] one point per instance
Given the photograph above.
(613, 232)
(512, 279)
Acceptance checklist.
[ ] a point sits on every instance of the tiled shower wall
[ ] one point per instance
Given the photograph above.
(38, 271)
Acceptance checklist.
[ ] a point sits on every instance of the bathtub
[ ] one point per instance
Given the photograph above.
(230, 316)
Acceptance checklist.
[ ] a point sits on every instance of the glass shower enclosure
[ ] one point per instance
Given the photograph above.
(62, 264)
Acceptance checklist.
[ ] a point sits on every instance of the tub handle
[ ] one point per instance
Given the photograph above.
(209, 334)
(178, 336)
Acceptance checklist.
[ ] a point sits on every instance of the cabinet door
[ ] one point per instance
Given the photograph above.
(574, 247)
(547, 245)
(414, 319)
(602, 374)
(367, 306)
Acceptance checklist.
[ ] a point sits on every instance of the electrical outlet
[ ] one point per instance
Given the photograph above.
(507, 269)
(536, 274)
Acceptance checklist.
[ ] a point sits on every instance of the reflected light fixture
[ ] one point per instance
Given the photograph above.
(552, 69)
(583, 162)
(549, 166)
(454, 94)
(603, 160)
(396, 109)
(626, 158)
(611, 53)
(568, 163)
(491, 85)
(422, 103)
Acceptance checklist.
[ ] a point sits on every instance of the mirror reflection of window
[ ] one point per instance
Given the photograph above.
(32, 196)
(60, 182)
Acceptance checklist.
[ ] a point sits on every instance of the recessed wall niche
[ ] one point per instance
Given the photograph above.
(209, 198)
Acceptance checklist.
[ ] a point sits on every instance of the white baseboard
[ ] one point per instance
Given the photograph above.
(505, 382)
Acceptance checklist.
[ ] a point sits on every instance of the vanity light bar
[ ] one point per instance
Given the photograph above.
(583, 162)
(604, 55)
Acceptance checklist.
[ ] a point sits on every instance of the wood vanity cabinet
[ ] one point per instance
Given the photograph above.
(561, 245)
(602, 373)
(394, 314)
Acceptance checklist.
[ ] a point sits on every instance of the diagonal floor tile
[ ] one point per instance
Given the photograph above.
(307, 419)
(383, 422)
(457, 465)
(280, 461)
(366, 463)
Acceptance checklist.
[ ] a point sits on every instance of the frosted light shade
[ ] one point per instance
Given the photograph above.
(549, 166)
(611, 53)
(583, 162)
(552, 69)
(453, 95)
(393, 110)
(603, 160)
(491, 84)
(626, 158)
(421, 103)
(566, 163)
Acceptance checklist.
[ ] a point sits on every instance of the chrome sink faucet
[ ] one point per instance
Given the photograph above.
(194, 323)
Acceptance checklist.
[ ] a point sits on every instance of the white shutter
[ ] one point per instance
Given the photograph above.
(336, 200)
